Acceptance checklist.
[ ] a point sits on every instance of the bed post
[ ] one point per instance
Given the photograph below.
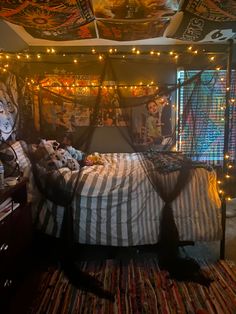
(178, 115)
(226, 142)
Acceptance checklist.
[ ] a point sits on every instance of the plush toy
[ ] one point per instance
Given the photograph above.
(51, 157)
(94, 159)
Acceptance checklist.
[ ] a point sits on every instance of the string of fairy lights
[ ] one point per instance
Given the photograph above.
(74, 57)
(227, 176)
(8, 61)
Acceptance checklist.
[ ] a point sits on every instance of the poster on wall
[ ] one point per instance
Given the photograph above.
(60, 116)
(151, 123)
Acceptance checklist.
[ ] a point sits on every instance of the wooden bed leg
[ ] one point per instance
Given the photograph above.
(223, 222)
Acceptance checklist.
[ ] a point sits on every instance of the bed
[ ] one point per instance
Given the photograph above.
(115, 204)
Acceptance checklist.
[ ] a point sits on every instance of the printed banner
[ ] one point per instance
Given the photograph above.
(198, 29)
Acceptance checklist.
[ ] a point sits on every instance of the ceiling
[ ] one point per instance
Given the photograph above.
(168, 22)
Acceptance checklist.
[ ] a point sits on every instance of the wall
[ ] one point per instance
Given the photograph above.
(130, 71)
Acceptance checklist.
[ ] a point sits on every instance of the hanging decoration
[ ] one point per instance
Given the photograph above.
(68, 32)
(134, 9)
(57, 20)
(126, 31)
(73, 20)
(212, 10)
(205, 21)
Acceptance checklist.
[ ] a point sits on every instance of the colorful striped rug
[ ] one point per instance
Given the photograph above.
(139, 287)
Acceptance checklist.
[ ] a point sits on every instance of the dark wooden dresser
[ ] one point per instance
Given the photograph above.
(15, 239)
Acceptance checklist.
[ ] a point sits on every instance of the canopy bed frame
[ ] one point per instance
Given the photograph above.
(167, 199)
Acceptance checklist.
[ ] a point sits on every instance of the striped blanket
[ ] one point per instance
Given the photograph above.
(116, 204)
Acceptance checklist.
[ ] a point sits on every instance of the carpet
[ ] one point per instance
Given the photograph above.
(139, 287)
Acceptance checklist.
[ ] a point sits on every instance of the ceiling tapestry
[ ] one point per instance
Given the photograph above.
(55, 20)
(70, 19)
(207, 21)
(124, 20)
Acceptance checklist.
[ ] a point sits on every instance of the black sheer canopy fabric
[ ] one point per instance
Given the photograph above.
(168, 240)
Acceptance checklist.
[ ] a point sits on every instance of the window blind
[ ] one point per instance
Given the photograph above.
(200, 115)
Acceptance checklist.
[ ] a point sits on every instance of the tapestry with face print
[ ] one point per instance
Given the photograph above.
(206, 21)
(8, 108)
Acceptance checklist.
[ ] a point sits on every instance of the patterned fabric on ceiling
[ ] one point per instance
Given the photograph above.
(74, 19)
(207, 21)
(53, 20)
(122, 20)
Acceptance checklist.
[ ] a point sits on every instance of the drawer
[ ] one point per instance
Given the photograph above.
(4, 229)
(15, 237)
(7, 289)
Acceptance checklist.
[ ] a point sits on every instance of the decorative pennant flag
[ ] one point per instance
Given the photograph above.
(134, 9)
(125, 30)
(68, 32)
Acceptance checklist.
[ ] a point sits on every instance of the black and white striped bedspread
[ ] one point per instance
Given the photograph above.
(115, 204)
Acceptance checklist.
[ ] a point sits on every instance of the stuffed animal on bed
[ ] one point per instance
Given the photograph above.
(51, 157)
(94, 159)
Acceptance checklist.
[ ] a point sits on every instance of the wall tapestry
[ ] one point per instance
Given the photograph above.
(207, 21)
(8, 107)
(69, 102)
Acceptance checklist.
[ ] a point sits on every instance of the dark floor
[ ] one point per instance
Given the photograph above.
(45, 252)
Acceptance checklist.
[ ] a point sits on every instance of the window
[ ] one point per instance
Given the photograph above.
(200, 114)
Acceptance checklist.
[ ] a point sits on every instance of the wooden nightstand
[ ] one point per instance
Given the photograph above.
(15, 239)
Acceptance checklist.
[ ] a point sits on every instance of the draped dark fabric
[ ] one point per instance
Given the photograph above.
(168, 241)
(183, 269)
(53, 187)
